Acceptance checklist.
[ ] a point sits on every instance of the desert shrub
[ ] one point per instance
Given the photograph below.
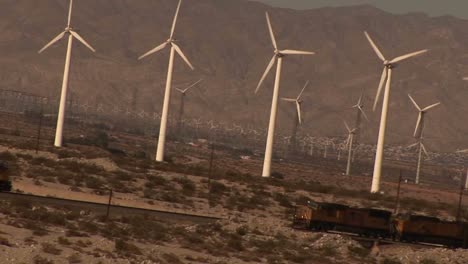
(41, 260)
(427, 261)
(74, 258)
(126, 248)
(188, 186)
(5, 242)
(94, 183)
(144, 228)
(328, 250)
(63, 241)
(358, 251)
(171, 258)
(387, 260)
(242, 230)
(282, 199)
(122, 176)
(217, 188)
(51, 249)
(8, 156)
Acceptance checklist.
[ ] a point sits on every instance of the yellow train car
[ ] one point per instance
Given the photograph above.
(338, 217)
(418, 228)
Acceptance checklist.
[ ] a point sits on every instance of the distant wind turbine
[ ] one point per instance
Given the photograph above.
(167, 94)
(389, 65)
(277, 57)
(183, 93)
(418, 133)
(349, 144)
(63, 97)
(298, 119)
(359, 114)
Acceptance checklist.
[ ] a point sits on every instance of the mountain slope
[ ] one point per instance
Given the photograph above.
(229, 45)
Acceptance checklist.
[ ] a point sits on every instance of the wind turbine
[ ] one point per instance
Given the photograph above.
(183, 93)
(359, 114)
(389, 65)
(349, 144)
(298, 120)
(277, 57)
(63, 97)
(418, 133)
(167, 94)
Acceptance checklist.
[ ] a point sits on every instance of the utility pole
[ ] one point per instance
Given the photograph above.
(460, 199)
(109, 204)
(39, 128)
(397, 206)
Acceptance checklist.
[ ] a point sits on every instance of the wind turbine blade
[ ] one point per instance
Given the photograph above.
(407, 56)
(379, 90)
(158, 48)
(175, 19)
(347, 127)
(195, 83)
(465, 78)
(270, 65)
(424, 149)
(462, 151)
(182, 91)
(181, 54)
(298, 107)
(52, 42)
(300, 94)
(418, 123)
(363, 113)
(288, 99)
(296, 52)
(414, 102)
(78, 37)
(376, 49)
(413, 145)
(70, 13)
(272, 34)
(360, 98)
(431, 106)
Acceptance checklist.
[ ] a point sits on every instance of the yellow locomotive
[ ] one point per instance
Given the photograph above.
(381, 223)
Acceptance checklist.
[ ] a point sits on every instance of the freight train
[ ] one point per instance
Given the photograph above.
(5, 183)
(381, 224)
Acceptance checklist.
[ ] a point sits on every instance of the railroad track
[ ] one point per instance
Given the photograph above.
(100, 208)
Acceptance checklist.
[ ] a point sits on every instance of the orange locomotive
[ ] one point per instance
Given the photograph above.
(380, 223)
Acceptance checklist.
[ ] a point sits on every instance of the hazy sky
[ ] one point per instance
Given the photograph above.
(458, 8)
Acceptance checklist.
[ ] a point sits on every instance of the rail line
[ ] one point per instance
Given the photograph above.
(101, 208)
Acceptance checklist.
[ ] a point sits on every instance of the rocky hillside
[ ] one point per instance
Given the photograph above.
(228, 43)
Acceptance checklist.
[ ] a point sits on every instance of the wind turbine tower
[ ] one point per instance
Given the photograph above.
(277, 57)
(388, 66)
(298, 119)
(167, 95)
(418, 133)
(63, 97)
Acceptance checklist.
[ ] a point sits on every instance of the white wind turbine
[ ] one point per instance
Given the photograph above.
(183, 93)
(277, 57)
(359, 114)
(386, 76)
(63, 97)
(167, 94)
(298, 120)
(418, 133)
(349, 144)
